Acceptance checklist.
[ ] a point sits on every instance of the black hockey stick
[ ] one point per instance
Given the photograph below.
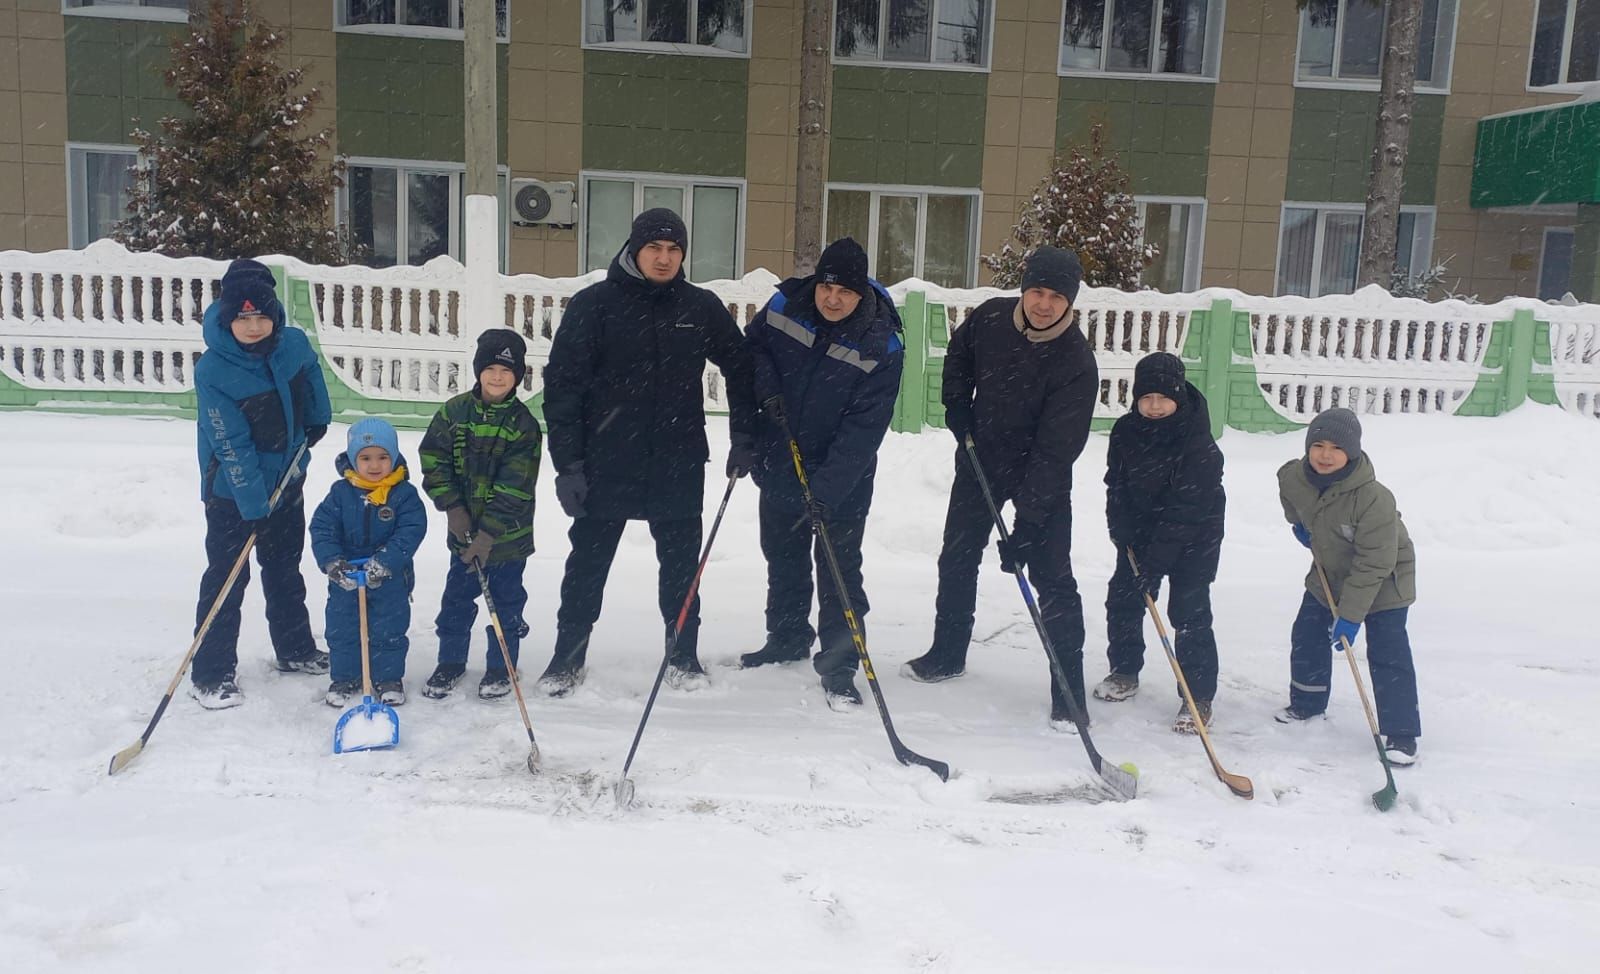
(902, 753)
(1384, 798)
(624, 787)
(1123, 780)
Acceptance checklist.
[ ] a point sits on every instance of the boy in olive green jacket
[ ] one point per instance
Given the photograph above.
(1338, 509)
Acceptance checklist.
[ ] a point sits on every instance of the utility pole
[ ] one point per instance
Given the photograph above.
(813, 138)
(482, 238)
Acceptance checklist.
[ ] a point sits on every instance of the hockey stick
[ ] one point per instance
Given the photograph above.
(902, 753)
(125, 756)
(623, 792)
(1237, 783)
(1384, 798)
(511, 667)
(1123, 780)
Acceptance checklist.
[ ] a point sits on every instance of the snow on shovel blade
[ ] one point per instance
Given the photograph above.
(368, 726)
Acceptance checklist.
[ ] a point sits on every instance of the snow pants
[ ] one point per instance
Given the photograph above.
(1394, 679)
(1188, 614)
(280, 540)
(967, 526)
(594, 546)
(458, 609)
(791, 548)
(388, 620)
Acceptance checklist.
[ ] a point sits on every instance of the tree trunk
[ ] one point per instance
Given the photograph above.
(813, 135)
(1386, 177)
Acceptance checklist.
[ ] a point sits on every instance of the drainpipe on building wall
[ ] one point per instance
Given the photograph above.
(482, 218)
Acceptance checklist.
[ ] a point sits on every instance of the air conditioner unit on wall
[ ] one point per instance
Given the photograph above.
(535, 203)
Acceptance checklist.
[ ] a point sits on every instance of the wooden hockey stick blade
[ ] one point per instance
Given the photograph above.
(124, 757)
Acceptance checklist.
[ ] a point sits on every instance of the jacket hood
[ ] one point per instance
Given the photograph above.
(869, 326)
(218, 335)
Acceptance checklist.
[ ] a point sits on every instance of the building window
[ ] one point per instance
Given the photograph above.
(712, 210)
(717, 25)
(1555, 264)
(99, 179)
(176, 11)
(413, 16)
(908, 32)
(1319, 246)
(930, 234)
(1176, 226)
(1177, 37)
(1566, 43)
(1341, 42)
(410, 213)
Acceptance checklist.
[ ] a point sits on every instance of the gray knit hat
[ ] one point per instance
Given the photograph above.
(1338, 426)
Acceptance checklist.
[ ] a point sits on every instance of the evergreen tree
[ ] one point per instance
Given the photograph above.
(1083, 205)
(236, 177)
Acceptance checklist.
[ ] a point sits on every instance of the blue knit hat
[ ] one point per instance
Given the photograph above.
(373, 431)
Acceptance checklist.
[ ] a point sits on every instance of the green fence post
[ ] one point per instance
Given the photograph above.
(1216, 352)
(911, 409)
(1519, 359)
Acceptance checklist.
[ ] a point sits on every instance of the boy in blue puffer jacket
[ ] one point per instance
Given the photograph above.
(375, 513)
(260, 394)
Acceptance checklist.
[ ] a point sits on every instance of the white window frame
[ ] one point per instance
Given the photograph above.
(659, 47)
(1562, 86)
(77, 176)
(1544, 249)
(929, 65)
(1421, 257)
(1194, 247)
(1212, 58)
(457, 173)
(922, 192)
(126, 10)
(1376, 84)
(341, 7)
(673, 180)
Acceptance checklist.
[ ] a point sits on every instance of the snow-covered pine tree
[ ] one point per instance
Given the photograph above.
(238, 176)
(1084, 205)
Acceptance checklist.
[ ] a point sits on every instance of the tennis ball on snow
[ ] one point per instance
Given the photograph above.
(1128, 766)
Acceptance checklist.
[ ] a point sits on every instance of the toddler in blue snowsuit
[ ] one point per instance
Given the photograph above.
(372, 512)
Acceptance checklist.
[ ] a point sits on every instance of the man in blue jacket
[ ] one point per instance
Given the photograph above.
(260, 395)
(828, 355)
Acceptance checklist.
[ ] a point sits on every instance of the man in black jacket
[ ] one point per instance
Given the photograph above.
(828, 356)
(1023, 382)
(624, 403)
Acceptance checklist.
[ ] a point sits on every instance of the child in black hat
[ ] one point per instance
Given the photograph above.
(1164, 503)
(480, 461)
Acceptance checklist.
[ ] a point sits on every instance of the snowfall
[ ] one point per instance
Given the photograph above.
(770, 833)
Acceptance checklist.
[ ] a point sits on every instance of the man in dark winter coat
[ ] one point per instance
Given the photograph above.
(828, 357)
(1023, 382)
(624, 402)
(1164, 500)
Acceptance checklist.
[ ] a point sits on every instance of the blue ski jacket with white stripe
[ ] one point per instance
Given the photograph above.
(839, 382)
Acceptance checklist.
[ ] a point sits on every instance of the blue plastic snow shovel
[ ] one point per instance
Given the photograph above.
(370, 725)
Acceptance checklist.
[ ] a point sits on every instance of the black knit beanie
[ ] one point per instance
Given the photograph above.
(1338, 426)
(1160, 372)
(657, 224)
(248, 287)
(501, 346)
(844, 263)
(1054, 268)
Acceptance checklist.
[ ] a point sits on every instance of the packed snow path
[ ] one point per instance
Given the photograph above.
(773, 834)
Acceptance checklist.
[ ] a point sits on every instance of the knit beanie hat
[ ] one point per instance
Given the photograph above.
(844, 263)
(657, 224)
(501, 346)
(372, 431)
(1160, 372)
(1054, 268)
(248, 287)
(1338, 426)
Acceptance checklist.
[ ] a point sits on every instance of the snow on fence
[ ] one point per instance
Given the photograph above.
(101, 327)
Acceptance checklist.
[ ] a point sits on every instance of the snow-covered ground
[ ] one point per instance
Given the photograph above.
(771, 833)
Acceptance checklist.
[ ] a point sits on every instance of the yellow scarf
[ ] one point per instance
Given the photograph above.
(377, 490)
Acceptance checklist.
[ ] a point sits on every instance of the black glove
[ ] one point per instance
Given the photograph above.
(458, 522)
(477, 552)
(958, 420)
(774, 409)
(377, 572)
(572, 489)
(816, 513)
(338, 572)
(314, 435)
(741, 454)
(1023, 545)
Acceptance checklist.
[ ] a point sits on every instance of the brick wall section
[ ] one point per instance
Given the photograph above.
(771, 136)
(33, 126)
(544, 125)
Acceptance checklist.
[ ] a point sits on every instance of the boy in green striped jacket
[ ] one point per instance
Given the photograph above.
(480, 461)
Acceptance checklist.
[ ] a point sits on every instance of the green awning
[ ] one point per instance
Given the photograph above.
(1541, 156)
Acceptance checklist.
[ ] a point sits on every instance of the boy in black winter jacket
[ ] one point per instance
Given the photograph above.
(1164, 500)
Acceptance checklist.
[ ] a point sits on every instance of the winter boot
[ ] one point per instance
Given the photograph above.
(933, 667)
(1290, 715)
(444, 679)
(686, 673)
(314, 663)
(494, 685)
(1401, 751)
(840, 691)
(566, 669)
(218, 696)
(340, 693)
(1184, 722)
(1116, 688)
(774, 652)
(391, 692)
